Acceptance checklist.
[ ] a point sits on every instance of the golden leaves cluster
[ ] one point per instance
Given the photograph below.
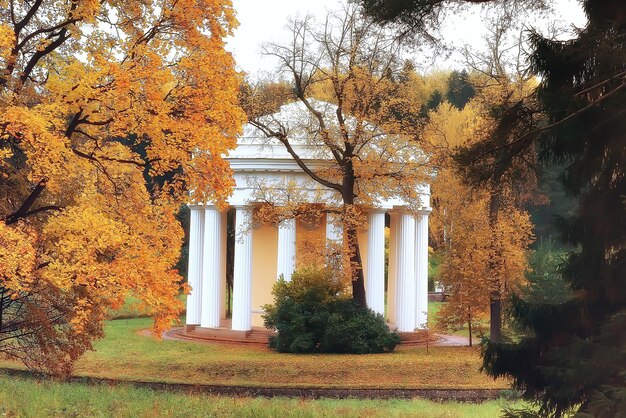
(482, 253)
(119, 108)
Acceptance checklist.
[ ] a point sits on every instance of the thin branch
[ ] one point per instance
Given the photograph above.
(555, 124)
(285, 141)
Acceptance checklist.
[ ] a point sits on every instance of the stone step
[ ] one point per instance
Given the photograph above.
(260, 335)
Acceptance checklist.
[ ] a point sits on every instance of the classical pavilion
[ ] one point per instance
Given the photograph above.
(264, 252)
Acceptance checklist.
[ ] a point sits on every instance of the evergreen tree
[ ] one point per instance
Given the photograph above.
(572, 354)
(435, 99)
(460, 90)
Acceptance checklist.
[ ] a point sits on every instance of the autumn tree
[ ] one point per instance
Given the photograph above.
(103, 105)
(465, 258)
(508, 177)
(467, 263)
(462, 227)
(503, 108)
(350, 108)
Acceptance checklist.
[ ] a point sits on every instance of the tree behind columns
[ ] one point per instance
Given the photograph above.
(502, 110)
(480, 254)
(361, 125)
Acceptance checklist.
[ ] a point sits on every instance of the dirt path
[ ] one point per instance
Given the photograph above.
(447, 340)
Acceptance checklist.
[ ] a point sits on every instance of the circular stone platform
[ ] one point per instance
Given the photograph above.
(260, 335)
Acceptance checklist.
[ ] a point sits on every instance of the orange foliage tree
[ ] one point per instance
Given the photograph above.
(102, 106)
(353, 111)
(480, 255)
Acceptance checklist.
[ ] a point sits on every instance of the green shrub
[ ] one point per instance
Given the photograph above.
(311, 315)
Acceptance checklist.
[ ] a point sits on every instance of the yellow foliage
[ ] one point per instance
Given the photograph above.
(110, 112)
(18, 257)
(484, 253)
(7, 39)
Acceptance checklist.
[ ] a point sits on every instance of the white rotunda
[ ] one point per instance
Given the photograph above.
(264, 252)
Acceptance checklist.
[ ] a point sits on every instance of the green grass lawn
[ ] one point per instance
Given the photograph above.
(123, 354)
(126, 355)
(30, 397)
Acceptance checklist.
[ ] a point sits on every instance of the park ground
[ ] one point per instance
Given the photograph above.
(33, 397)
(126, 357)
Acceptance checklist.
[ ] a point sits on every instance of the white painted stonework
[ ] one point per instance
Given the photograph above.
(286, 248)
(260, 163)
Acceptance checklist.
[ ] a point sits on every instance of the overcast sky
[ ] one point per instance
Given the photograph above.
(263, 21)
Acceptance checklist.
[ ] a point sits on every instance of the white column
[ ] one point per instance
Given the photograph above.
(213, 268)
(224, 240)
(405, 273)
(375, 274)
(194, 273)
(391, 270)
(421, 268)
(286, 248)
(334, 230)
(242, 280)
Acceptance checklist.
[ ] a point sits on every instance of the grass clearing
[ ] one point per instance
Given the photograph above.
(31, 397)
(125, 355)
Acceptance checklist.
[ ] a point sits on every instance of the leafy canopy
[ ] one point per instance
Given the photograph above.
(352, 110)
(103, 104)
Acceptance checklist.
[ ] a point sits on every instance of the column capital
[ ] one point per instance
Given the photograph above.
(424, 211)
(203, 206)
(286, 223)
(212, 207)
(377, 210)
(399, 210)
(242, 207)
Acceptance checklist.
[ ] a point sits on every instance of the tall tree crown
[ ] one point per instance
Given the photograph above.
(95, 98)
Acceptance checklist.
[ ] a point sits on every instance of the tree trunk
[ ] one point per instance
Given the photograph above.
(495, 306)
(28, 203)
(495, 318)
(356, 265)
(230, 258)
(469, 326)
